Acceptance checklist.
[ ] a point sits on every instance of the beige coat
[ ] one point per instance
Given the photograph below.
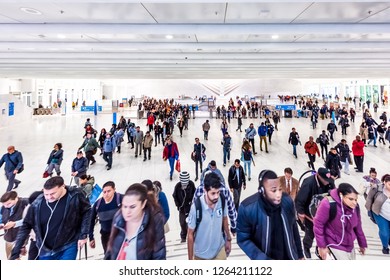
(377, 202)
(364, 133)
(148, 141)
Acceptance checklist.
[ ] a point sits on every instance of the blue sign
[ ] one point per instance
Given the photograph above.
(285, 107)
(11, 109)
(90, 108)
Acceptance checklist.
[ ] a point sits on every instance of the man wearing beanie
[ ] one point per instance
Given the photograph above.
(183, 195)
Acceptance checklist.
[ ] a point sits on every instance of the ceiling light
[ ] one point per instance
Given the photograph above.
(275, 37)
(30, 11)
(169, 37)
(61, 36)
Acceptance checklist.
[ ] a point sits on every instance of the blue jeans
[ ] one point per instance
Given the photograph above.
(226, 153)
(68, 254)
(172, 165)
(294, 150)
(247, 163)
(11, 180)
(384, 229)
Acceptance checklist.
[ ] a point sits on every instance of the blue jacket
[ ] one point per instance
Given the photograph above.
(262, 130)
(12, 161)
(80, 165)
(253, 229)
(163, 201)
(109, 145)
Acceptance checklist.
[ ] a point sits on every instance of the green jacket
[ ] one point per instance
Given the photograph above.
(90, 144)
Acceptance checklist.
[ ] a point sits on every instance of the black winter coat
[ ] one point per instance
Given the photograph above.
(159, 251)
(183, 198)
(74, 225)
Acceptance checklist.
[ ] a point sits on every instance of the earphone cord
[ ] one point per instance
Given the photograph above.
(342, 219)
(47, 227)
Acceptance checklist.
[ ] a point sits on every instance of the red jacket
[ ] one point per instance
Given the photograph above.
(150, 119)
(358, 148)
(174, 152)
(312, 148)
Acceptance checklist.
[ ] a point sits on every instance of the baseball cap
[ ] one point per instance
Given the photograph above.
(184, 178)
(324, 173)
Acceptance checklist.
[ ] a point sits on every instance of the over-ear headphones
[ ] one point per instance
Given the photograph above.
(261, 177)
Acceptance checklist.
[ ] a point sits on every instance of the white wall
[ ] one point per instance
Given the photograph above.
(21, 111)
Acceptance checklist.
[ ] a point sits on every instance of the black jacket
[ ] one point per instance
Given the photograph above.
(331, 127)
(17, 214)
(159, 252)
(343, 151)
(309, 187)
(332, 162)
(233, 180)
(74, 226)
(253, 228)
(293, 139)
(183, 197)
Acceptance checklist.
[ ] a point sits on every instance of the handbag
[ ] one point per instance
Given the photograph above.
(45, 174)
(177, 167)
(96, 191)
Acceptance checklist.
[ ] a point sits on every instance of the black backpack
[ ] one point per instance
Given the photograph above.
(198, 208)
(247, 155)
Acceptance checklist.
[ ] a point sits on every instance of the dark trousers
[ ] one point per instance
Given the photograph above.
(89, 156)
(150, 127)
(344, 130)
(147, 150)
(107, 156)
(131, 140)
(252, 141)
(105, 236)
(236, 197)
(269, 137)
(33, 250)
(157, 139)
(183, 225)
(181, 131)
(331, 135)
(11, 180)
(324, 147)
(206, 134)
(359, 162)
(312, 159)
(198, 162)
(309, 235)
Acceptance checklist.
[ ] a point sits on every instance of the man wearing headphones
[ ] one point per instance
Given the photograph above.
(266, 225)
(60, 218)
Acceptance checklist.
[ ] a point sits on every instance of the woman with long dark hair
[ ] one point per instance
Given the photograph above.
(337, 224)
(138, 228)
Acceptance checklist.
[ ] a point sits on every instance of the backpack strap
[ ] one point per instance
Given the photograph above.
(333, 208)
(198, 208)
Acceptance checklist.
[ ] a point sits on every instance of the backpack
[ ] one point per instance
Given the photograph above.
(198, 208)
(315, 202)
(247, 155)
(369, 212)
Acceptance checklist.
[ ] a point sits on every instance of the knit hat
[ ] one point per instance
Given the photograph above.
(184, 178)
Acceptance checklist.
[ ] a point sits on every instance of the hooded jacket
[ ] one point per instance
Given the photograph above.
(337, 234)
(74, 226)
(159, 251)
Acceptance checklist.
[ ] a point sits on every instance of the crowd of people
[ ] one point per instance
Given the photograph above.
(59, 220)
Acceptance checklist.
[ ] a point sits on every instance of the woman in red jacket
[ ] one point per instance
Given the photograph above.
(171, 152)
(358, 153)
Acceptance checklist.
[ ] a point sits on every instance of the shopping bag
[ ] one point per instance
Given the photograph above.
(177, 167)
(45, 174)
(96, 191)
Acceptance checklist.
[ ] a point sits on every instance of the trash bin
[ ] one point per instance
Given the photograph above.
(288, 113)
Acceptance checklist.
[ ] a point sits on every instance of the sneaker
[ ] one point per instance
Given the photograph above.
(144, 159)
(108, 168)
(183, 240)
(249, 178)
(136, 156)
(385, 251)
(224, 164)
(92, 163)
(306, 252)
(196, 179)
(170, 178)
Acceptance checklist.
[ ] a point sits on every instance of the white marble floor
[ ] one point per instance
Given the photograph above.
(36, 137)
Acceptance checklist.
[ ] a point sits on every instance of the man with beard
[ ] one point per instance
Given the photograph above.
(207, 218)
(266, 225)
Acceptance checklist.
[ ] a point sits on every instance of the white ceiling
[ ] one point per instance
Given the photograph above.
(222, 40)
